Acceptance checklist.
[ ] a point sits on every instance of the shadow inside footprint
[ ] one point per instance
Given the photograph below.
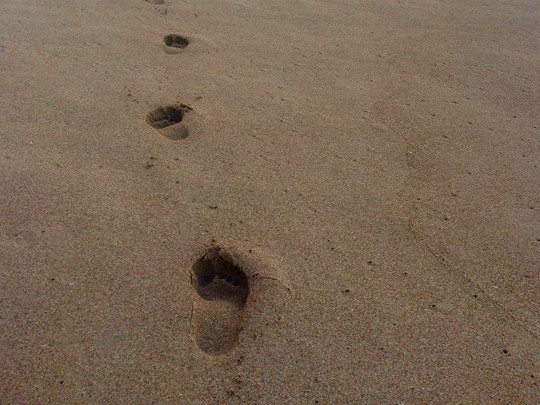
(164, 117)
(174, 42)
(223, 290)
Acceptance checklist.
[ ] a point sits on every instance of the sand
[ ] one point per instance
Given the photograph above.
(355, 182)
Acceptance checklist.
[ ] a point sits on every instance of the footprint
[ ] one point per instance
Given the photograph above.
(167, 121)
(219, 310)
(155, 1)
(174, 43)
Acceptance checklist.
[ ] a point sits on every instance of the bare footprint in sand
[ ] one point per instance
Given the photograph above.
(219, 310)
(167, 120)
(174, 43)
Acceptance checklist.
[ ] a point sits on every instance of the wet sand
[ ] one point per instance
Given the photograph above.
(288, 202)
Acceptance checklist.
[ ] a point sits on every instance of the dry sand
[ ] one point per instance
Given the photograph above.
(357, 182)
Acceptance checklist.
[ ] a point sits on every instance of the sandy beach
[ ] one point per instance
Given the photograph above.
(289, 202)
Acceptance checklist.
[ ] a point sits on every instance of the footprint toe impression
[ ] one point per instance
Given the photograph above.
(165, 120)
(222, 290)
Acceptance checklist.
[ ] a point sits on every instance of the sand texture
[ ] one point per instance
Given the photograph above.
(286, 202)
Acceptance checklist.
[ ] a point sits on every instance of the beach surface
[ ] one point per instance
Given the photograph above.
(288, 202)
